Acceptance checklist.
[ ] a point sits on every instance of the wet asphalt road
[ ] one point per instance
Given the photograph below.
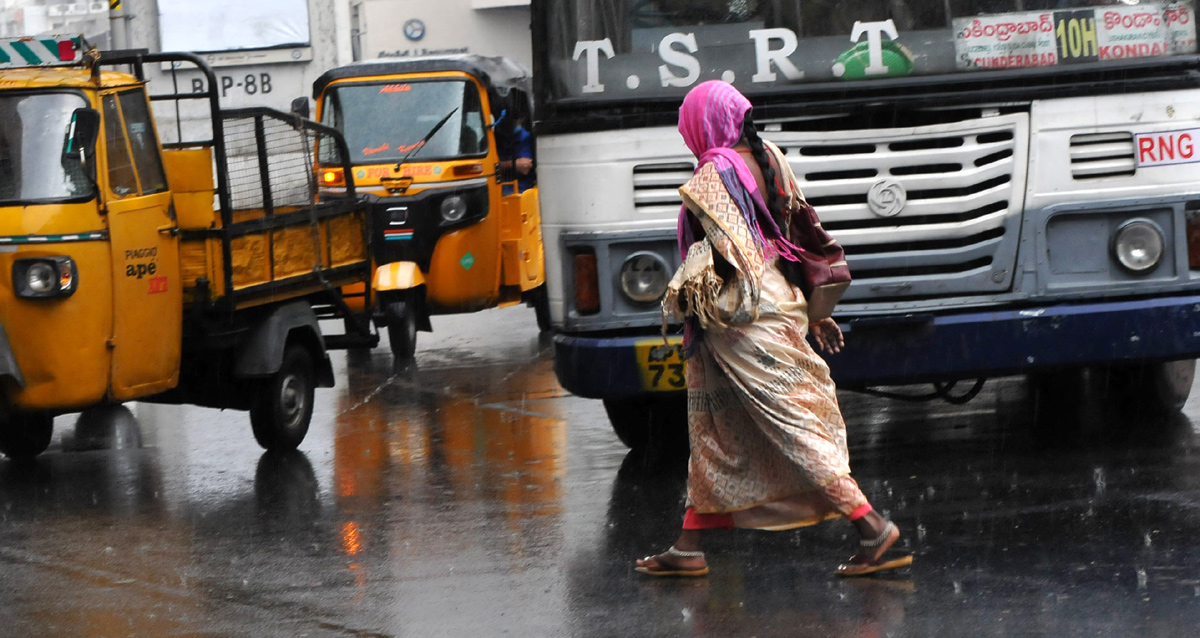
(472, 497)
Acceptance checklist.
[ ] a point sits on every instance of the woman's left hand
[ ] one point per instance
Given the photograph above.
(828, 335)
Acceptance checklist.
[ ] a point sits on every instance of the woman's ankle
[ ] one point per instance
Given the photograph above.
(688, 541)
(871, 525)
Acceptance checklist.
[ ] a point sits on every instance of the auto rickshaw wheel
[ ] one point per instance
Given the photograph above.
(283, 409)
(24, 435)
(401, 320)
(541, 307)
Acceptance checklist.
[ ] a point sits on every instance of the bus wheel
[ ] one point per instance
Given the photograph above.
(654, 423)
(1160, 388)
(281, 413)
(401, 320)
(26, 435)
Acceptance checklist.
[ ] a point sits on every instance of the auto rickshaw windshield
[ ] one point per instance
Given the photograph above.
(383, 122)
(33, 166)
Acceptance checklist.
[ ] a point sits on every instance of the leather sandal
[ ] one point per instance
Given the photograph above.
(658, 568)
(883, 542)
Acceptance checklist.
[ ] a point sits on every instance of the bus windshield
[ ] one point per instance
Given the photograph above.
(383, 122)
(637, 49)
(33, 165)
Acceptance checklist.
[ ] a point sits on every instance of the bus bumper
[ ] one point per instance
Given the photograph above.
(917, 348)
(609, 368)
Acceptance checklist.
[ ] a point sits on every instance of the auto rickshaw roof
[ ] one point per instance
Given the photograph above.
(498, 74)
(46, 77)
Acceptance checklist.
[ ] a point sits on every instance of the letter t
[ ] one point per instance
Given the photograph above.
(591, 47)
(874, 43)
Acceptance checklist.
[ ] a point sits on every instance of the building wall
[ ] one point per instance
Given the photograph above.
(245, 81)
(486, 27)
(32, 17)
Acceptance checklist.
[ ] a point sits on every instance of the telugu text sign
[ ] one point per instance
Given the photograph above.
(1051, 38)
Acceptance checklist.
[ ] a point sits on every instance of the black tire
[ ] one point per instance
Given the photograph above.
(1106, 405)
(283, 408)
(650, 424)
(24, 435)
(1156, 389)
(541, 307)
(401, 320)
(105, 427)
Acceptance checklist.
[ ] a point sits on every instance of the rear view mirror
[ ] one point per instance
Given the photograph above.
(300, 107)
(82, 134)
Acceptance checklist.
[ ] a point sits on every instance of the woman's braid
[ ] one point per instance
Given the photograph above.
(770, 178)
(792, 270)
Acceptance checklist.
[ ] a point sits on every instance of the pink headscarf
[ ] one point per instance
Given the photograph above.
(710, 121)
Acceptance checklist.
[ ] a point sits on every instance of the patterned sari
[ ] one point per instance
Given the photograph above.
(768, 444)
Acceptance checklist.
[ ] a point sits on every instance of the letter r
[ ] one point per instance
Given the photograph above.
(1145, 149)
(765, 56)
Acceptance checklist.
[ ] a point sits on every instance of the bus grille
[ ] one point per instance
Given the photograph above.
(1099, 155)
(955, 234)
(656, 186)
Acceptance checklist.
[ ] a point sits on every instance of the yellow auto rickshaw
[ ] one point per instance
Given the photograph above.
(441, 150)
(122, 279)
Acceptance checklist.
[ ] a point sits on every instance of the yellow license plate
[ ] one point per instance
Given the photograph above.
(661, 364)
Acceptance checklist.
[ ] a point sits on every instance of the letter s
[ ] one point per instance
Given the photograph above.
(678, 58)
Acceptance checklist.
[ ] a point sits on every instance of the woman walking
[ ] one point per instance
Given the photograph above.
(768, 444)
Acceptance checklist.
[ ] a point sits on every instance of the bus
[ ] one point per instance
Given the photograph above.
(1014, 182)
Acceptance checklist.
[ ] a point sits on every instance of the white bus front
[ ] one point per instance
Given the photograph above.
(1014, 181)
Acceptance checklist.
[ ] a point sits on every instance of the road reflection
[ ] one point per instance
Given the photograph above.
(469, 496)
(481, 470)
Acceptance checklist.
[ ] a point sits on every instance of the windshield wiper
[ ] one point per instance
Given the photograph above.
(428, 136)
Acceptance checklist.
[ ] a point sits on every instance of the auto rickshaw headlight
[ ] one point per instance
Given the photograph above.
(644, 277)
(454, 208)
(44, 277)
(40, 278)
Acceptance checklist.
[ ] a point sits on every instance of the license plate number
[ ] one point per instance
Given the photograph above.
(661, 364)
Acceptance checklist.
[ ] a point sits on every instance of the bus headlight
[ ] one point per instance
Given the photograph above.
(1138, 245)
(43, 277)
(454, 208)
(644, 277)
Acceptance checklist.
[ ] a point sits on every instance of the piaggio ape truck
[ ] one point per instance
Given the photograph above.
(194, 270)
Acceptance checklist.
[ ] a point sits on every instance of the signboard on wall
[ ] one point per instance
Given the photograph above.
(232, 25)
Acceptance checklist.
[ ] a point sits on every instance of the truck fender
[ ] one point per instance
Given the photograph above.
(398, 275)
(261, 354)
(8, 363)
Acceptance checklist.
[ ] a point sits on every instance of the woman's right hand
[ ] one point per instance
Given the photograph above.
(828, 335)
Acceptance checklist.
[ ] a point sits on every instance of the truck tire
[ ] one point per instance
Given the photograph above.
(654, 423)
(401, 319)
(1160, 388)
(283, 408)
(25, 435)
